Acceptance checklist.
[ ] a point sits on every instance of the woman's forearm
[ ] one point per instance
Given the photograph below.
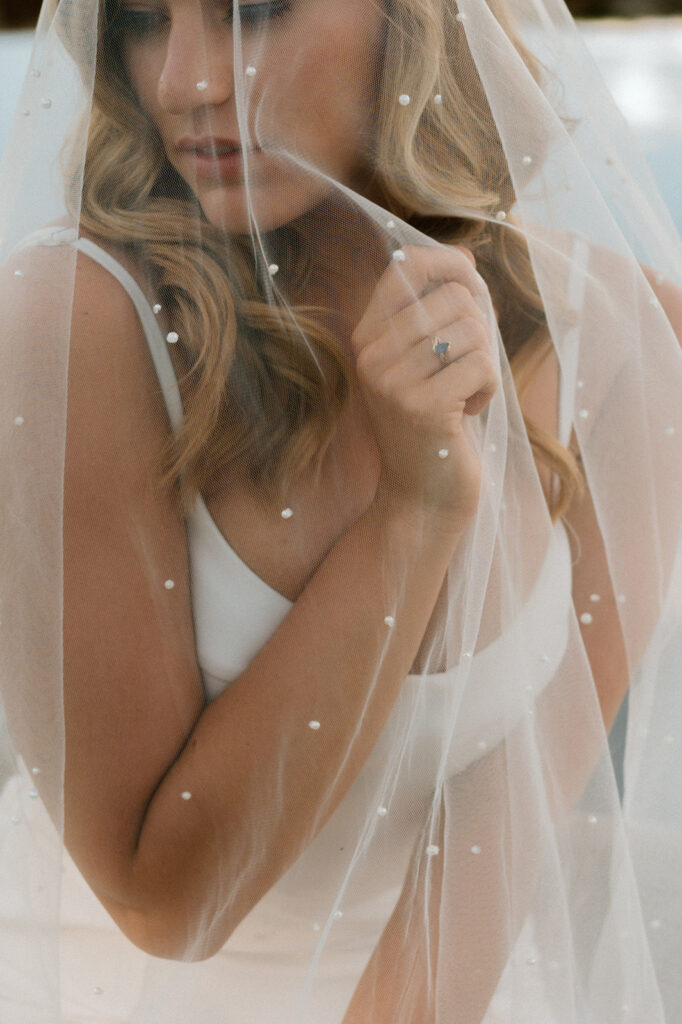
(399, 981)
(338, 659)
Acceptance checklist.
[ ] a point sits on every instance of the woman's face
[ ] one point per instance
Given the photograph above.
(307, 83)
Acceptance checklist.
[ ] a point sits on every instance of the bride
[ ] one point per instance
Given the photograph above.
(341, 511)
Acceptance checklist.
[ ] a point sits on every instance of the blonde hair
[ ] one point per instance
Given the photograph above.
(263, 386)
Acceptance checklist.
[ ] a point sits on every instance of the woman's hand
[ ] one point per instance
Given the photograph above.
(416, 401)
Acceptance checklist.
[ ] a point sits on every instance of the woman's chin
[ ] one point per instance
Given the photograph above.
(233, 210)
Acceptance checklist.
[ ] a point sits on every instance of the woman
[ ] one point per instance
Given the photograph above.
(302, 685)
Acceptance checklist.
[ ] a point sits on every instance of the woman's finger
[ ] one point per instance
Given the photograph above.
(441, 390)
(466, 252)
(422, 361)
(472, 379)
(411, 275)
(440, 315)
(448, 303)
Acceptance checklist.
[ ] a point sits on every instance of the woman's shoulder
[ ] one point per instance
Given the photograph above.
(55, 297)
(47, 280)
(540, 397)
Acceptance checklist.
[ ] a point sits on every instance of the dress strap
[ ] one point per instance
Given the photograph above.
(158, 347)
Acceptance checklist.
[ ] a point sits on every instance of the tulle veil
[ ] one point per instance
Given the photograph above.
(477, 864)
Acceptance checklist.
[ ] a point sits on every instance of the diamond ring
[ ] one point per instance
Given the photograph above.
(441, 349)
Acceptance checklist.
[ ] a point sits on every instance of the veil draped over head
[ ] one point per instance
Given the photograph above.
(306, 704)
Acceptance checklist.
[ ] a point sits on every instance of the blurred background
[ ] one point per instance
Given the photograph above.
(23, 13)
(636, 44)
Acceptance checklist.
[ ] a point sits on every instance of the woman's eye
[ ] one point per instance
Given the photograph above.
(255, 14)
(141, 23)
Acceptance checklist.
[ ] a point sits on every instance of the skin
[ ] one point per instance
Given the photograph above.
(311, 97)
(153, 860)
(379, 525)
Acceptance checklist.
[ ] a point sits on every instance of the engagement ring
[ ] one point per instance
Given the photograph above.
(441, 348)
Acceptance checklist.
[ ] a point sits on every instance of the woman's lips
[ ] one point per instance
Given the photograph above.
(217, 158)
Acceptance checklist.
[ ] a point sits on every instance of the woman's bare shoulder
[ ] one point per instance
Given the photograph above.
(60, 307)
(539, 398)
(540, 394)
(63, 296)
(48, 284)
(62, 310)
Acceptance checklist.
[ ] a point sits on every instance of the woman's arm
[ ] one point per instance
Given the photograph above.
(399, 980)
(179, 874)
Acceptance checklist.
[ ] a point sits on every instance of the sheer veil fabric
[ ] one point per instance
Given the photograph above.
(326, 559)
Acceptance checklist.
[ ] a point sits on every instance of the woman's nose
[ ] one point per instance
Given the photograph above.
(198, 68)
